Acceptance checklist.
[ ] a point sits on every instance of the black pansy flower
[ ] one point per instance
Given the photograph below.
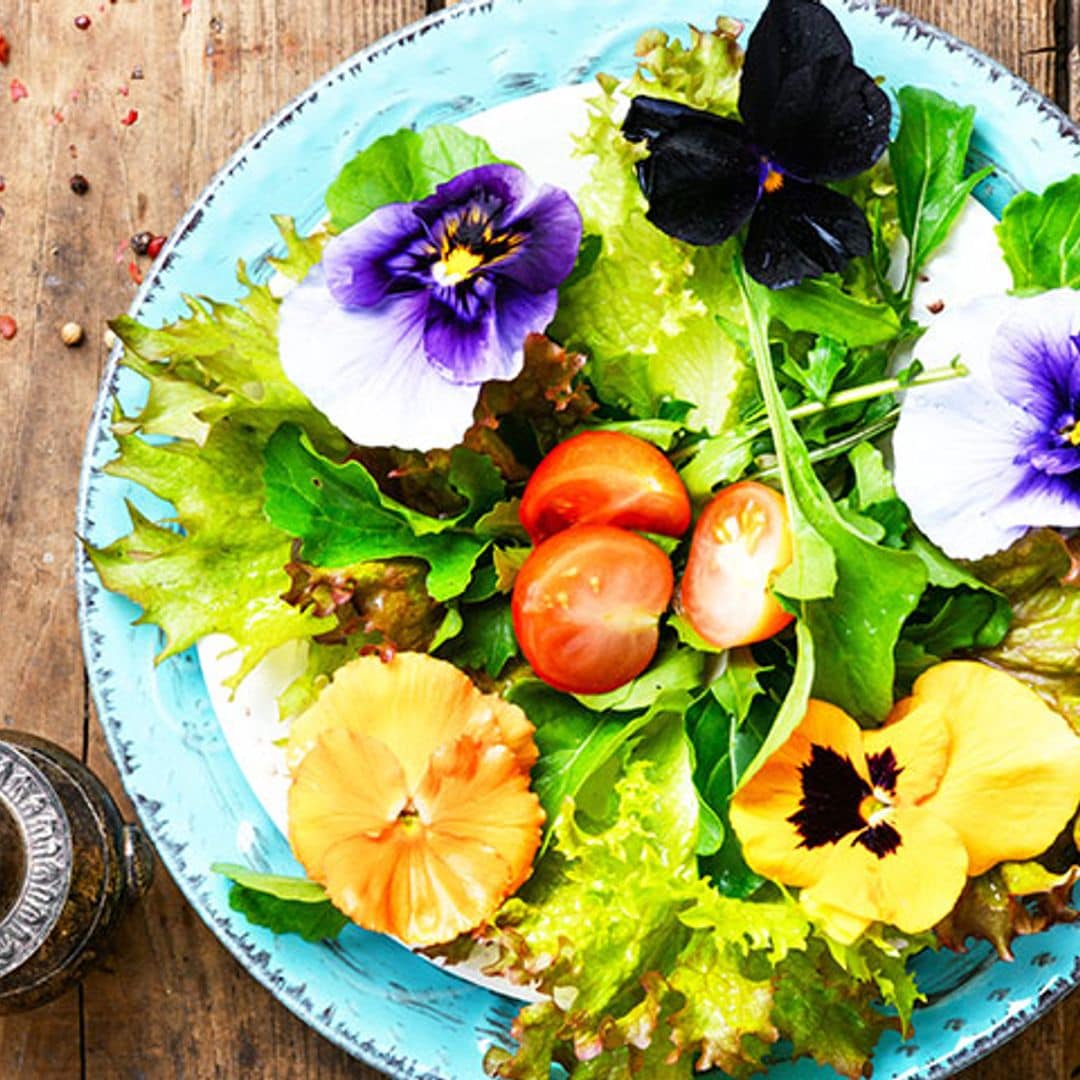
(809, 116)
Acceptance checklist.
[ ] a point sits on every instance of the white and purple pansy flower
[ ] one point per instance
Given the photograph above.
(413, 308)
(979, 460)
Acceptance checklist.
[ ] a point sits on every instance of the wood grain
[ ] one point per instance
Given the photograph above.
(171, 1002)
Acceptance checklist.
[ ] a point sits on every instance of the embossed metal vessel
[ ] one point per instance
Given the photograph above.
(69, 868)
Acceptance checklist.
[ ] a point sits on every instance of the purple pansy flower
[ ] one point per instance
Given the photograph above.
(980, 460)
(418, 304)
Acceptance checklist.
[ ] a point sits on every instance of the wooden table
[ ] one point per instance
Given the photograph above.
(193, 78)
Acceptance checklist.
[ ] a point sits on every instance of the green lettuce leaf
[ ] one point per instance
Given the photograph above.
(637, 359)
(341, 516)
(1040, 237)
(486, 641)
(402, 167)
(282, 904)
(852, 596)
(223, 571)
(928, 160)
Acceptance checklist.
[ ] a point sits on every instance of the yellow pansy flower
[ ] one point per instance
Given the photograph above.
(887, 825)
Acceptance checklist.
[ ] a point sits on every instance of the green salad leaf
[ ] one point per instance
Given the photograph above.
(928, 160)
(1040, 237)
(341, 516)
(402, 167)
(852, 596)
(282, 904)
(636, 360)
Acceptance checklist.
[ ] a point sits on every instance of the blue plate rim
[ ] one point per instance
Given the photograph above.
(170, 850)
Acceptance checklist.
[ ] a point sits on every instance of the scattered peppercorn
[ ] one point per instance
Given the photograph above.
(17, 90)
(8, 327)
(131, 117)
(137, 72)
(71, 334)
(140, 242)
(82, 22)
(135, 273)
(3, 184)
(153, 249)
(79, 184)
(936, 308)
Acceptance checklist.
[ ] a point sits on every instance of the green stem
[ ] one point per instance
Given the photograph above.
(878, 389)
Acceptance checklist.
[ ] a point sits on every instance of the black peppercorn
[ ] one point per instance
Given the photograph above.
(140, 242)
(79, 184)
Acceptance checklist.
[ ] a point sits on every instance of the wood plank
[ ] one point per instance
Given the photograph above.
(1071, 44)
(209, 78)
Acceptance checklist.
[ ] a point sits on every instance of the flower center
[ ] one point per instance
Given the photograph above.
(837, 802)
(1072, 434)
(457, 264)
(773, 181)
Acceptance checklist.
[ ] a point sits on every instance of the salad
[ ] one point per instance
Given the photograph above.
(679, 612)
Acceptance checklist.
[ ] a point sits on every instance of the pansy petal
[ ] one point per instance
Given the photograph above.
(460, 338)
(1013, 780)
(761, 811)
(497, 188)
(365, 263)
(1041, 498)
(803, 230)
(549, 223)
(804, 101)
(1035, 359)
(519, 313)
(966, 424)
(701, 178)
(912, 749)
(367, 370)
(912, 887)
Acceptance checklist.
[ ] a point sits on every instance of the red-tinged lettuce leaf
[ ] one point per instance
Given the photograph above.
(1010, 901)
(827, 1015)
(1042, 647)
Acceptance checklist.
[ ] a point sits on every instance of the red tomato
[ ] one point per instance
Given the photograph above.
(587, 605)
(740, 544)
(605, 478)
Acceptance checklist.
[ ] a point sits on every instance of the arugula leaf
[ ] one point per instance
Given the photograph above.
(402, 167)
(823, 363)
(821, 306)
(341, 517)
(852, 596)
(282, 904)
(927, 159)
(1040, 237)
(576, 744)
(486, 640)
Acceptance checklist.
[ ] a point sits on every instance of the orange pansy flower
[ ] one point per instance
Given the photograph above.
(971, 770)
(410, 800)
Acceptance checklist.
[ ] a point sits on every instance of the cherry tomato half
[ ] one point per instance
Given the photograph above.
(740, 543)
(605, 478)
(587, 605)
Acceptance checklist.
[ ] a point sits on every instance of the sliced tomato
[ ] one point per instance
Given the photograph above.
(741, 543)
(587, 605)
(605, 478)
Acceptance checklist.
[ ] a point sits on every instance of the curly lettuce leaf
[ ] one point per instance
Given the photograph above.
(402, 167)
(643, 311)
(1040, 237)
(223, 571)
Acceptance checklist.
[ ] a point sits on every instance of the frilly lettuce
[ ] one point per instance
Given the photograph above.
(647, 970)
(636, 358)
